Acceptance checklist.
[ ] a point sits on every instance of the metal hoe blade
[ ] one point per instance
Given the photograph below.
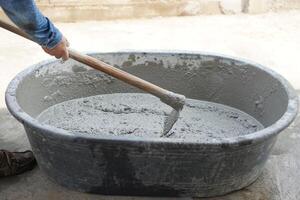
(177, 102)
(170, 120)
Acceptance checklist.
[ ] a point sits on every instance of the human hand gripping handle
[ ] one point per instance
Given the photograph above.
(60, 50)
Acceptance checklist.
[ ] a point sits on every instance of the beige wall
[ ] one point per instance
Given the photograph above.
(75, 10)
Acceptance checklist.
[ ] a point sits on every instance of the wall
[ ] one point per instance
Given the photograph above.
(75, 10)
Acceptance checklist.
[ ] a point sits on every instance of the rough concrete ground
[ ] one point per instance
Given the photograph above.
(270, 39)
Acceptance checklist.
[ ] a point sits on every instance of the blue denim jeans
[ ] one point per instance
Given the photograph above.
(26, 15)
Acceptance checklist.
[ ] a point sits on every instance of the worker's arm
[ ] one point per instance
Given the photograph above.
(26, 15)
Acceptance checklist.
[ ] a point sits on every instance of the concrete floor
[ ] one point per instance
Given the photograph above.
(270, 39)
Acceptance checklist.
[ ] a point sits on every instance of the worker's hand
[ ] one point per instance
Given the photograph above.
(60, 50)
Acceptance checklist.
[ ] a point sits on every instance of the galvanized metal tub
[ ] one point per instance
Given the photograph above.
(117, 165)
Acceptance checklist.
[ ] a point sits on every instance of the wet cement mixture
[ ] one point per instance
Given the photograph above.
(142, 115)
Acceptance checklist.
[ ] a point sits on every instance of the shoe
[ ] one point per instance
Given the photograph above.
(14, 163)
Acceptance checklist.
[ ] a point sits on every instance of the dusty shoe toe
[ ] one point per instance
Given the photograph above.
(13, 163)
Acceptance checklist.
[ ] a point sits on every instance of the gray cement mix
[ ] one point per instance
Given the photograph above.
(142, 115)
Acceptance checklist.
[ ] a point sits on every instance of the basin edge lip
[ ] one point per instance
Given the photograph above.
(259, 136)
